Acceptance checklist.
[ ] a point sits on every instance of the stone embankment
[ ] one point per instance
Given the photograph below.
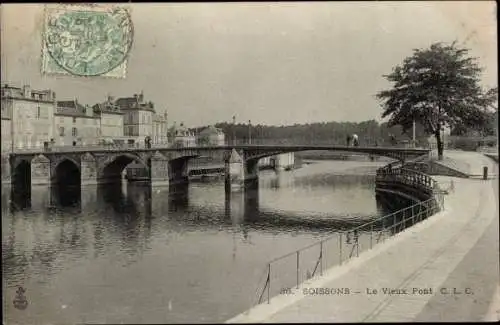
(445, 268)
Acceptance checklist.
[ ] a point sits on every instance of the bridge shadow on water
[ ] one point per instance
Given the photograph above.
(130, 201)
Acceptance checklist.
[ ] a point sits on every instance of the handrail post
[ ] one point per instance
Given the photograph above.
(371, 236)
(340, 248)
(357, 243)
(297, 269)
(321, 258)
(269, 283)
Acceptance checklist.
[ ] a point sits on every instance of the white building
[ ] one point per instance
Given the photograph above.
(111, 119)
(211, 136)
(31, 114)
(75, 124)
(182, 136)
(160, 131)
(6, 130)
(138, 118)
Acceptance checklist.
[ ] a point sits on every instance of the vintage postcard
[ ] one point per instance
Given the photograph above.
(249, 162)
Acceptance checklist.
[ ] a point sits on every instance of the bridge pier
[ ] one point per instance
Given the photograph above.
(40, 171)
(240, 174)
(6, 172)
(178, 171)
(88, 170)
(159, 170)
(284, 161)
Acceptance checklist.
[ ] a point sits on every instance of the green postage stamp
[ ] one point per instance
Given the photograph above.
(86, 40)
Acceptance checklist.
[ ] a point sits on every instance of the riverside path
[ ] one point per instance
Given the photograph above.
(445, 268)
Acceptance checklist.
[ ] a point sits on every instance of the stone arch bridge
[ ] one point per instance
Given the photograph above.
(164, 165)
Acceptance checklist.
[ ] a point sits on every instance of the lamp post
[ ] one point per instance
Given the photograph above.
(249, 132)
(413, 133)
(234, 132)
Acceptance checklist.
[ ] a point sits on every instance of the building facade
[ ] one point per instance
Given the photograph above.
(31, 115)
(6, 130)
(160, 129)
(138, 116)
(31, 118)
(211, 136)
(75, 124)
(111, 119)
(182, 136)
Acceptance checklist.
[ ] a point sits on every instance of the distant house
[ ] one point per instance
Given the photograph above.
(182, 136)
(138, 118)
(211, 136)
(75, 124)
(111, 119)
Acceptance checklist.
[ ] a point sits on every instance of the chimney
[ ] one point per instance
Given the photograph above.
(141, 97)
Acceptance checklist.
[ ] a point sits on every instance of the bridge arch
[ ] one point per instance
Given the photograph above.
(114, 166)
(21, 175)
(67, 172)
(367, 151)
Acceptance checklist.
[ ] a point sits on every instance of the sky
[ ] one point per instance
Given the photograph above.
(271, 63)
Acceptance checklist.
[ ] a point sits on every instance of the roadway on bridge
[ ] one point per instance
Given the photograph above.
(457, 248)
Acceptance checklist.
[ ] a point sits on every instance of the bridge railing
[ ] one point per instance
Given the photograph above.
(229, 142)
(314, 141)
(408, 177)
(88, 147)
(284, 274)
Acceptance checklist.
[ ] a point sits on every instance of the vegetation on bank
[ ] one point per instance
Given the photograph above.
(370, 133)
(439, 87)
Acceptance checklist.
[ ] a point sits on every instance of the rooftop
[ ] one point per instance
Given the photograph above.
(109, 106)
(25, 92)
(135, 103)
(72, 108)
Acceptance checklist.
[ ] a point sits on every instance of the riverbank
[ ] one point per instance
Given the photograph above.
(333, 155)
(427, 261)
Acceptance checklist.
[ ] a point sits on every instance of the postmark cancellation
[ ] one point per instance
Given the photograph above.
(86, 41)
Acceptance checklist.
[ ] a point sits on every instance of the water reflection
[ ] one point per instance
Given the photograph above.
(128, 250)
(65, 195)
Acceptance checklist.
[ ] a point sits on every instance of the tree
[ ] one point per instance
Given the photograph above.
(438, 87)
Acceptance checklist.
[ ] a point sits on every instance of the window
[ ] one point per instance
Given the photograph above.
(38, 112)
(61, 131)
(74, 119)
(144, 119)
(74, 132)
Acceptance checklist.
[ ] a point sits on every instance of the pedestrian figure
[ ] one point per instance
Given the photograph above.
(355, 141)
(393, 139)
(348, 139)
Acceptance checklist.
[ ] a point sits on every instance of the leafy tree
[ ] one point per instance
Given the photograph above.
(438, 87)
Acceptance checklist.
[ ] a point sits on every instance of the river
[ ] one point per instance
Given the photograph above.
(135, 254)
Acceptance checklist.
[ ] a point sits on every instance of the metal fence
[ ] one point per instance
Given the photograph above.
(284, 273)
(228, 143)
(100, 147)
